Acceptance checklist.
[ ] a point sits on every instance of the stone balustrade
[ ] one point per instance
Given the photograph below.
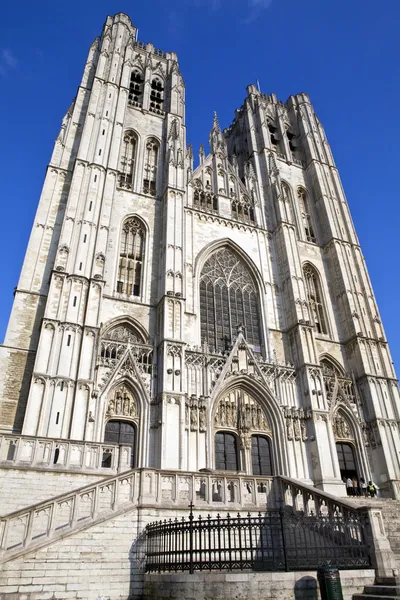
(47, 521)
(311, 501)
(63, 455)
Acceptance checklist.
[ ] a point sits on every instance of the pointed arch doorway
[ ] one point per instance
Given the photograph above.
(121, 426)
(345, 447)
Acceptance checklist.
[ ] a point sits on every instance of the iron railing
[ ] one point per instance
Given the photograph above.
(272, 541)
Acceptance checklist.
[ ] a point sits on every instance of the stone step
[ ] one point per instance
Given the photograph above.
(373, 597)
(382, 590)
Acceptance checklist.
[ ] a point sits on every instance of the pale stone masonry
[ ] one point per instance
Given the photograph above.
(215, 317)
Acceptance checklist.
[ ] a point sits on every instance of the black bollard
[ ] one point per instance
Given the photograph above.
(329, 583)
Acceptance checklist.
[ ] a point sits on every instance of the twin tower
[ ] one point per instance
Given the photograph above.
(218, 317)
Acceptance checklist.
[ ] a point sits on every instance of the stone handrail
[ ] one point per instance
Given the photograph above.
(21, 451)
(36, 526)
(310, 500)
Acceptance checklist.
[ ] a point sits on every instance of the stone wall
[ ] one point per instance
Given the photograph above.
(92, 563)
(20, 488)
(248, 586)
(106, 561)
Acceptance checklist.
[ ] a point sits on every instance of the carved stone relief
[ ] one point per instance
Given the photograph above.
(342, 429)
(122, 403)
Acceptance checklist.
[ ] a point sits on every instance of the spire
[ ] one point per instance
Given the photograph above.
(217, 138)
(216, 126)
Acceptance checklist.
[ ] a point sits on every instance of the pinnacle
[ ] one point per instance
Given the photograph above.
(216, 126)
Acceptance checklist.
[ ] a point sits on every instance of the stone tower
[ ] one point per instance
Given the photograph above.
(220, 317)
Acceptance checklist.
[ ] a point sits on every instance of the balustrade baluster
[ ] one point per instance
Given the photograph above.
(52, 519)
(3, 542)
(74, 511)
(28, 528)
(95, 501)
(116, 484)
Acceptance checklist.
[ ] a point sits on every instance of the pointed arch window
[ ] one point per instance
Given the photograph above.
(305, 215)
(288, 207)
(228, 300)
(135, 96)
(128, 160)
(204, 200)
(150, 167)
(315, 298)
(261, 455)
(131, 257)
(226, 452)
(156, 95)
(243, 209)
(274, 135)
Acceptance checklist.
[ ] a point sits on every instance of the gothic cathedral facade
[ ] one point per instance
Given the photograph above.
(218, 317)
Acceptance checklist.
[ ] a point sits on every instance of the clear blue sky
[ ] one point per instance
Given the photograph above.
(343, 53)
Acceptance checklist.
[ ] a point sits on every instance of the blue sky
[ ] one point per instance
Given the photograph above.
(344, 54)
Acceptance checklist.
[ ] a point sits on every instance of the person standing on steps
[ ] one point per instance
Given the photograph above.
(371, 489)
(349, 486)
(363, 486)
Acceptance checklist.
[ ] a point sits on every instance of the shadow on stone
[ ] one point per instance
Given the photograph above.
(306, 588)
(137, 560)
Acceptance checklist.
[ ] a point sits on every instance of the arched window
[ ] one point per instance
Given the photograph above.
(274, 135)
(204, 200)
(150, 167)
(226, 452)
(135, 96)
(314, 297)
(305, 215)
(156, 95)
(128, 159)
(228, 301)
(261, 455)
(289, 212)
(243, 209)
(131, 257)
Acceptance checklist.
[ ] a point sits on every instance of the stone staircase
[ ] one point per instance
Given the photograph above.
(391, 519)
(59, 517)
(385, 590)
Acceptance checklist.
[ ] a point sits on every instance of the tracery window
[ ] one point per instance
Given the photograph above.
(243, 209)
(131, 257)
(128, 159)
(305, 215)
(315, 299)
(150, 167)
(156, 95)
(228, 300)
(135, 96)
(115, 341)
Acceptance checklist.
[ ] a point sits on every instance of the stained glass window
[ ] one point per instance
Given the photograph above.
(228, 300)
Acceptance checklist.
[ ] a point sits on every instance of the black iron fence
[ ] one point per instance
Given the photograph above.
(273, 541)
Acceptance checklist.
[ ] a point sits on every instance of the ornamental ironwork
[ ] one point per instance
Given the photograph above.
(272, 541)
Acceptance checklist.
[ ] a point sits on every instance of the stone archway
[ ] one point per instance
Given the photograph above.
(238, 414)
(121, 425)
(346, 446)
